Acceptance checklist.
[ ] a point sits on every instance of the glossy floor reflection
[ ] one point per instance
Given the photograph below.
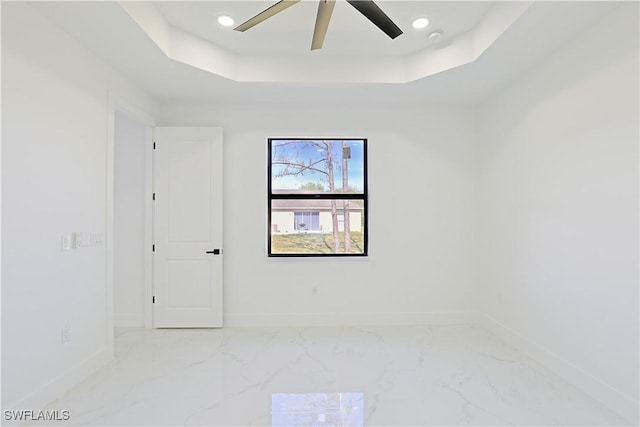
(418, 376)
(317, 409)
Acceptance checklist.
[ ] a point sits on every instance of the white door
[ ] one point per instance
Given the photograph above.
(187, 257)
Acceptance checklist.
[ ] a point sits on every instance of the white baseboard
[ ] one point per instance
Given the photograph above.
(617, 401)
(349, 319)
(127, 320)
(55, 388)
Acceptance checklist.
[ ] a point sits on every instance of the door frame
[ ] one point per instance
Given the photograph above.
(120, 104)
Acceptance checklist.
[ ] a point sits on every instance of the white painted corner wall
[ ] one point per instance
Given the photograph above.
(132, 143)
(55, 169)
(559, 213)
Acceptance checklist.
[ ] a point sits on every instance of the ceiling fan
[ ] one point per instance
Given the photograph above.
(325, 8)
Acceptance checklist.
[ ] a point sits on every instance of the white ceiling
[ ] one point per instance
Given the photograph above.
(177, 53)
(290, 31)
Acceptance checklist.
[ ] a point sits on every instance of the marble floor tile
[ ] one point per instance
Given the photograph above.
(406, 376)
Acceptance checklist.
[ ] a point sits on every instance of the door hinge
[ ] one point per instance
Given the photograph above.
(154, 196)
(154, 145)
(153, 299)
(153, 248)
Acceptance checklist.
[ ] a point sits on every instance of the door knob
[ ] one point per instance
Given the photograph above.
(215, 252)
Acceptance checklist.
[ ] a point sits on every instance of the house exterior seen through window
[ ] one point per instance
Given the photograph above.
(307, 221)
(317, 197)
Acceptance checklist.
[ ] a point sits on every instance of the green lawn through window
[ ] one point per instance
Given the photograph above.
(313, 243)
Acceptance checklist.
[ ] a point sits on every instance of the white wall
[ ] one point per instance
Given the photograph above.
(55, 117)
(129, 219)
(559, 199)
(421, 232)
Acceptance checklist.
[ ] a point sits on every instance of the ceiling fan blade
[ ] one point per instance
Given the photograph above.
(374, 14)
(266, 14)
(325, 9)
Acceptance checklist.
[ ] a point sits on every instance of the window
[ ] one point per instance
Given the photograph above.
(307, 221)
(317, 197)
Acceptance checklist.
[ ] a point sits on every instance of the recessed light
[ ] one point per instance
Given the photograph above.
(435, 36)
(225, 20)
(420, 23)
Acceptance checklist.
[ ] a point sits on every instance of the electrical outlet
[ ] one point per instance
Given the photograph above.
(65, 335)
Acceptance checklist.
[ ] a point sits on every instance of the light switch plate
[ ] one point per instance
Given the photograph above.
(97, 239)
(83, 239)
(65, 242)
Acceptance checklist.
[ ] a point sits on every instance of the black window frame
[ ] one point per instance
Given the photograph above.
(319, 196)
